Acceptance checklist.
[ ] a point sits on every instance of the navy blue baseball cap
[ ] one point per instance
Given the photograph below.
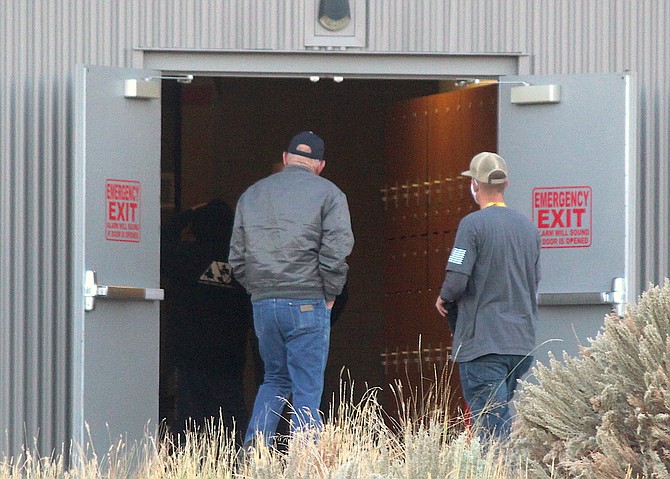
(309, 139)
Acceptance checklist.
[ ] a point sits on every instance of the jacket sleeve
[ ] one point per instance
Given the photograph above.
(337, 241)
(236, 255)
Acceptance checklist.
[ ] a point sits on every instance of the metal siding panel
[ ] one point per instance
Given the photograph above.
(659, 83)
(44, 42)
(5, 233)
(436, 25)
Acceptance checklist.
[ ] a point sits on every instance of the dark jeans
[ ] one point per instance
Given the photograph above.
(488, 384)
(293, 339)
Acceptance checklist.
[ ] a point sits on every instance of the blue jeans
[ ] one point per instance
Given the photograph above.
(293, 341)
(488, 384)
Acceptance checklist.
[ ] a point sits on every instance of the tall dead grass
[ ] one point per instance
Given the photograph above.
(603, 415)
(358, 441)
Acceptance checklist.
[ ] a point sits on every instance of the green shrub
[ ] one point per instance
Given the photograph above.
(606, 413)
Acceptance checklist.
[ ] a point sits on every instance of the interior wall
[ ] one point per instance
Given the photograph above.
(235, 129)
(430, 140)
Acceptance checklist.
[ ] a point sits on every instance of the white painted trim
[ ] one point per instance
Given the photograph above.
(631, 260)
(328, 64)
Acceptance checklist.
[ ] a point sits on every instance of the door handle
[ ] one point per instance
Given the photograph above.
(93, 290)
(616, 297)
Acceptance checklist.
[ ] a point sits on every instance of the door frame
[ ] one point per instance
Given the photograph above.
(360, 65)
(383, 66)
(328, 65)
(391, 66)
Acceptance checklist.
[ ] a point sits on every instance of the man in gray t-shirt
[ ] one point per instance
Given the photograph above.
(492, 275)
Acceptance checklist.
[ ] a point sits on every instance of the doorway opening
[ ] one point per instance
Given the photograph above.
(384, 140)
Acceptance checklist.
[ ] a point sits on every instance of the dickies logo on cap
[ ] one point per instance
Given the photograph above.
(313, 145)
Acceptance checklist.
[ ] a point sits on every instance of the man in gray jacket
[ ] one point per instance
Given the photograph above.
(291, 237)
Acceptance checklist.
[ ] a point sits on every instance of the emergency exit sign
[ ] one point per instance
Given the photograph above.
(122, 210)
(563, 216)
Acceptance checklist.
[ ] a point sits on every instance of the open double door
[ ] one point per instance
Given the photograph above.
(572, 170)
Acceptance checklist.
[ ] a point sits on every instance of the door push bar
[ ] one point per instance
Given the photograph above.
(93, 290)
(616, 297)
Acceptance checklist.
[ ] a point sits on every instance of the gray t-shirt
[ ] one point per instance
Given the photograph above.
(499, 249)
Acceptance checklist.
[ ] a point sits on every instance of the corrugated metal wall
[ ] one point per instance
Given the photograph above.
(42, 41)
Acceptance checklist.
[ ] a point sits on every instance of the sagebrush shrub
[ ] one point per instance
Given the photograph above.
(606, 413)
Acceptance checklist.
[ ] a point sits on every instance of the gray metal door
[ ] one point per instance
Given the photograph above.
(116, 216)
(568, 142)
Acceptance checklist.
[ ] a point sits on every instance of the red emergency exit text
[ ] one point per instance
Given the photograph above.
(563, 216)
(122, 210)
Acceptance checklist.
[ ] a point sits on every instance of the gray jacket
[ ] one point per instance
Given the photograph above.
(291, 237)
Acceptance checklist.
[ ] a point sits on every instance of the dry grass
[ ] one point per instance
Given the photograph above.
(603, 414)
(356, 442)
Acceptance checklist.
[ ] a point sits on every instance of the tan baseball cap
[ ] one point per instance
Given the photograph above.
(487, 167)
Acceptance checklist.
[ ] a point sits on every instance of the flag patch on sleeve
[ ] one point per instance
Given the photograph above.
(457, 256)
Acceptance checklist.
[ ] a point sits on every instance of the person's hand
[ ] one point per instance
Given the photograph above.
(329, 304)
(439, 304)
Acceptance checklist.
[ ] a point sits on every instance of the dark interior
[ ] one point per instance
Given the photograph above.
(221, 134)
